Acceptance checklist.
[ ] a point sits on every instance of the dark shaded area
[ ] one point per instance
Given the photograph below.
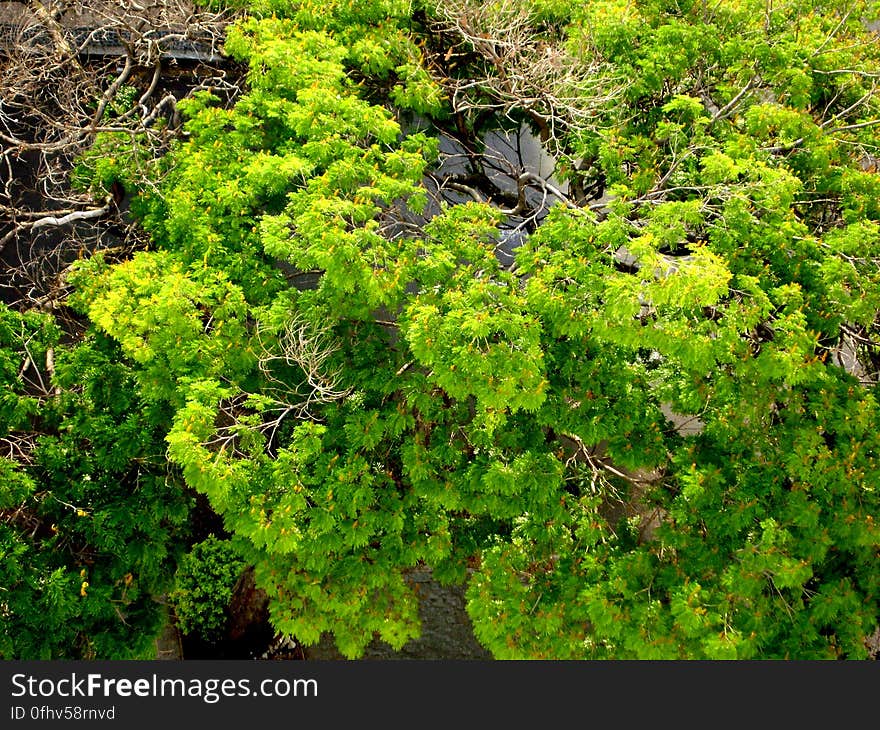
(204, 521)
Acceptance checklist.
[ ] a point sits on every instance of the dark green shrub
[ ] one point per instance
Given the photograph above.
(203, 586)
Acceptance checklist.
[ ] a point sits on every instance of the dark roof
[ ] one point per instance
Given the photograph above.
(19, 24)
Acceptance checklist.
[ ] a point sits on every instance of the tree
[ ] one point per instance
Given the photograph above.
(512, 418)
(92, 517)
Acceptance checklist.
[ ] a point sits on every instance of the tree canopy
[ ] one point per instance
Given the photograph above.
(631, 404)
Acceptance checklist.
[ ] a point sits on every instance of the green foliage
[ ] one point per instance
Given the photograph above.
(375, 39)
(91, 517)
(424, 404)
(199, 320)
(115, 157)
(203, 586)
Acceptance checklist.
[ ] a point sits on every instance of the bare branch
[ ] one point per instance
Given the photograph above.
(79, 215)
